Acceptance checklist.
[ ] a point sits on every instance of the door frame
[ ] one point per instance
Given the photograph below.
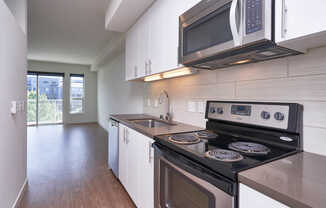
(42, 73)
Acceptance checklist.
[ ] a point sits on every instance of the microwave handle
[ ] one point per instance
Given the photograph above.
(234, 24)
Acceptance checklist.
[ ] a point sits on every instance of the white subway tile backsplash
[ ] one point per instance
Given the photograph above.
(314, 140)
(299, 79)
(314, 62)
(264, 70)
(315, 114)
(297, 88)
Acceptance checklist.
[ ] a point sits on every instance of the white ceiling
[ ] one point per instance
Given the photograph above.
(68, 31)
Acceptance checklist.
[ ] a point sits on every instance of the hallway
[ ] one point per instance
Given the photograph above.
(67, 168)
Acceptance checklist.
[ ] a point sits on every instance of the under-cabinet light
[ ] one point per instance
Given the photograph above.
(153, 78)
(241, 62)
(170, 74)
(178, 73)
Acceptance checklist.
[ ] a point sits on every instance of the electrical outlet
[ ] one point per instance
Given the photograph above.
(192, 106)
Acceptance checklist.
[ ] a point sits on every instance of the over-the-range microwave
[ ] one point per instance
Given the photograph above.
(222, 33)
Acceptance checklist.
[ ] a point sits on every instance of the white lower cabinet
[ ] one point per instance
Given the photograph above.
(250, 198)
(136, 166)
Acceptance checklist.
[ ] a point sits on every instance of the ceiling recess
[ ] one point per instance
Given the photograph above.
(122, 14)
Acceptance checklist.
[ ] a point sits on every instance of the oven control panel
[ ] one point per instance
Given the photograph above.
(268, 115)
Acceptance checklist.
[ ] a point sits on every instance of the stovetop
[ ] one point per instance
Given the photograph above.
(198, 152)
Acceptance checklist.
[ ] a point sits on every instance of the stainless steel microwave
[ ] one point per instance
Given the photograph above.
(221, 33)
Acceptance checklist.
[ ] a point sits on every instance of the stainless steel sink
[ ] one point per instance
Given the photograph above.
(152, 123)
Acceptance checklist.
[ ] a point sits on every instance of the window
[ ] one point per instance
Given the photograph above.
(76, 93)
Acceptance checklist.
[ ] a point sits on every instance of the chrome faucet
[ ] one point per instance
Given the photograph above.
(167, 115)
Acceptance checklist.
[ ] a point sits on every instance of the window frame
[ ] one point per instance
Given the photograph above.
(70, 94)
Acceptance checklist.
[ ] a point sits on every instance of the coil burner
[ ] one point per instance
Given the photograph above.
(224, 155)
(249, 148)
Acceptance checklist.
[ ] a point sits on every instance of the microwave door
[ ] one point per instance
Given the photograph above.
(257, 21)
(209, 28)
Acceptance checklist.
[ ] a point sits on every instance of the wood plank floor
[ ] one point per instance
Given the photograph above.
(67, 168)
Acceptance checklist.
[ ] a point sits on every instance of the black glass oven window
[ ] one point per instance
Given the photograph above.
(209, 31)
(178, 191)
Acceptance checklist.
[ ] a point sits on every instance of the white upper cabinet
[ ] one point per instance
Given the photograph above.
(131, 53)
(171, 46)
(143, 44)
(249, 197)
(300, 24)
(157, 37)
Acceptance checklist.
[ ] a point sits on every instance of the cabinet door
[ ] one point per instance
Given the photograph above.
(123, 159)
(143, 42)
(254, 199)
(147, 173)
(171, 41)
(134, 146)
(295, 19)
(156, 36)
(131, 53)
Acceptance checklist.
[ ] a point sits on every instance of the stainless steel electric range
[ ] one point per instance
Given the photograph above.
(199, 169)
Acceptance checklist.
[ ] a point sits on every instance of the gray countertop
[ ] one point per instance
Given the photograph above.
(298, 181)
(151, 132)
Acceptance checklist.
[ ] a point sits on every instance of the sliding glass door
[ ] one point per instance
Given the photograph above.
(44, 98)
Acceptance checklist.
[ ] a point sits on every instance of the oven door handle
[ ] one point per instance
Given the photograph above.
(235, 23)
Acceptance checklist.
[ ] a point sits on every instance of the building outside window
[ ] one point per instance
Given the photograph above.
(77, 85)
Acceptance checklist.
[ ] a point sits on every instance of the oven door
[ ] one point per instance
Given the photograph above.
(180, 183)
(209, 28)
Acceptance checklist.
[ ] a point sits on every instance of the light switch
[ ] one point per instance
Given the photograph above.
(13, 108)
(201, 107)
(192, 106)
(156, 103)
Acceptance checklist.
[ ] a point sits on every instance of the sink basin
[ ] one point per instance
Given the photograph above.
(152, 123)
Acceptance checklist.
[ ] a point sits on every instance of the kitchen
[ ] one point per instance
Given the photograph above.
(212, 103)
(282, 80)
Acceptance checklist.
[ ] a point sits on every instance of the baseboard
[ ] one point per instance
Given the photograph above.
(20, 195)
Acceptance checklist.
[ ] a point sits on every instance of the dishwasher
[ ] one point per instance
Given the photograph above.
(113, 148)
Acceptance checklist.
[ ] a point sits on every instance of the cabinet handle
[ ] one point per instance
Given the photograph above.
(150, 66)
(124, 135)
(135, 71)
(149, 152)
(146, 70)
(127, 136)
(284, 15)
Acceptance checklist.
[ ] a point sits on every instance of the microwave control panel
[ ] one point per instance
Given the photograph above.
(254, 15)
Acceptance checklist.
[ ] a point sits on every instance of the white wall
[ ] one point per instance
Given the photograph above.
(116, 96)
(299, 79)
(13, 64)
(90, 104)
(19, 10)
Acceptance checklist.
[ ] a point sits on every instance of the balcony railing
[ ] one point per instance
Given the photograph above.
(47, 111)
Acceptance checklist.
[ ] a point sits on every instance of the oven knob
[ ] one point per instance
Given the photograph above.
(219, 110)
(265, 115)
(279, 116)
(212, 110)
